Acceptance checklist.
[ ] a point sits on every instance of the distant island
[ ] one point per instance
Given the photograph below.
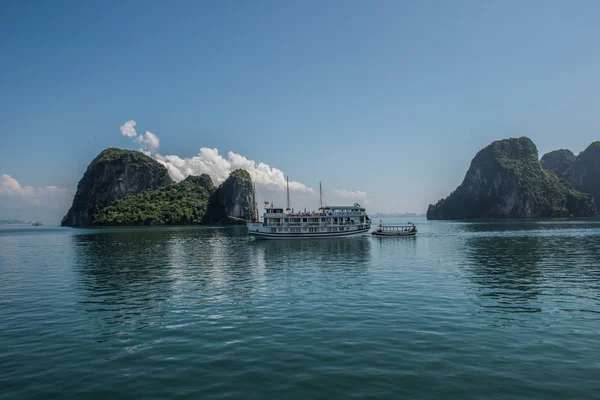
(128, 188)
(507, 180)
(396, 215)
(18, 222)
(12, 222)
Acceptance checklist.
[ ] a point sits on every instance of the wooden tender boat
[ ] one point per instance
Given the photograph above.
(395, 230)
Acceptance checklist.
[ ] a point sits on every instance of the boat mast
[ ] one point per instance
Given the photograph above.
(320, 195)
(254, 201)
(287, 179)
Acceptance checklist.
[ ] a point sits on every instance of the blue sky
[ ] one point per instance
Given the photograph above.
(389, 98)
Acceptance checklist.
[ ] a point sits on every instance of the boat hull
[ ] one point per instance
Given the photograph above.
(307, 235)
(393, 234)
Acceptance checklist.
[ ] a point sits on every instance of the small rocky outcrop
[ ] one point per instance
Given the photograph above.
(111, 176)
(203, 180)
(584, 172)
(506, 180)
(558, 161)
(233, 198)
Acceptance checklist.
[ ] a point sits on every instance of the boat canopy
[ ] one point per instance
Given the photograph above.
(393, 228)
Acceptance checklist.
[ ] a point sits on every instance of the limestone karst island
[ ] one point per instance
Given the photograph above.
(128, 188)
(507, 180)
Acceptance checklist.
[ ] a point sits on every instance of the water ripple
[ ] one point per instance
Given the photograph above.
(467, 310)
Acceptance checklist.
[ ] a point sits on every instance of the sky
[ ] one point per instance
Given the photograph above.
(385, 102)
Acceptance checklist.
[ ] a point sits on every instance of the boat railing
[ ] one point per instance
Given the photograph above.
(315, 224)
(396, 228)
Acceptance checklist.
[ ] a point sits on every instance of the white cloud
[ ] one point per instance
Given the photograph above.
(128, 129)
(210, 162)
(350, 194)
(149, 141)
(47, 202)
(270, 181)
(9, 186)
(345, 196)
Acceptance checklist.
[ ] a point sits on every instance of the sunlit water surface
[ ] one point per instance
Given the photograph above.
(464, 310)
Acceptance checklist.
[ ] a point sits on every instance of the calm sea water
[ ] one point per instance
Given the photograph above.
(464, 310)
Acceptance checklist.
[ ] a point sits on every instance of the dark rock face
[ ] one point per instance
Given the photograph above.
(506, 180)
(128, 188)
(112, 175)
(558, 161)
(584, 172)
(232, 199)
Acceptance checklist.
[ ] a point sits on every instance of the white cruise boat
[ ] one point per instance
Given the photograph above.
(327, 222)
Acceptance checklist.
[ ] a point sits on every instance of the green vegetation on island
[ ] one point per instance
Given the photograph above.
(558, 161)
(177, 204)
(126, 157)
(112, 175)
(584, 172)
(506, 180)
(128, 188)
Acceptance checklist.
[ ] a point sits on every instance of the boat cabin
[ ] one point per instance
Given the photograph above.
(326, 219)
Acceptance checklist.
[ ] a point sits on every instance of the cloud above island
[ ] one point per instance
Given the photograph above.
(270, 181)
(149, 142)
(26, 202)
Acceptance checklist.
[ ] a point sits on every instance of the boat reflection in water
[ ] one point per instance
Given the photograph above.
(315, 252)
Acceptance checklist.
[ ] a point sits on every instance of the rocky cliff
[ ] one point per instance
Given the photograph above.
(128, 188)
(506, 180)
(558, 161)
(182, 203)
(232, 198)
(111, 176)
(584, 172)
